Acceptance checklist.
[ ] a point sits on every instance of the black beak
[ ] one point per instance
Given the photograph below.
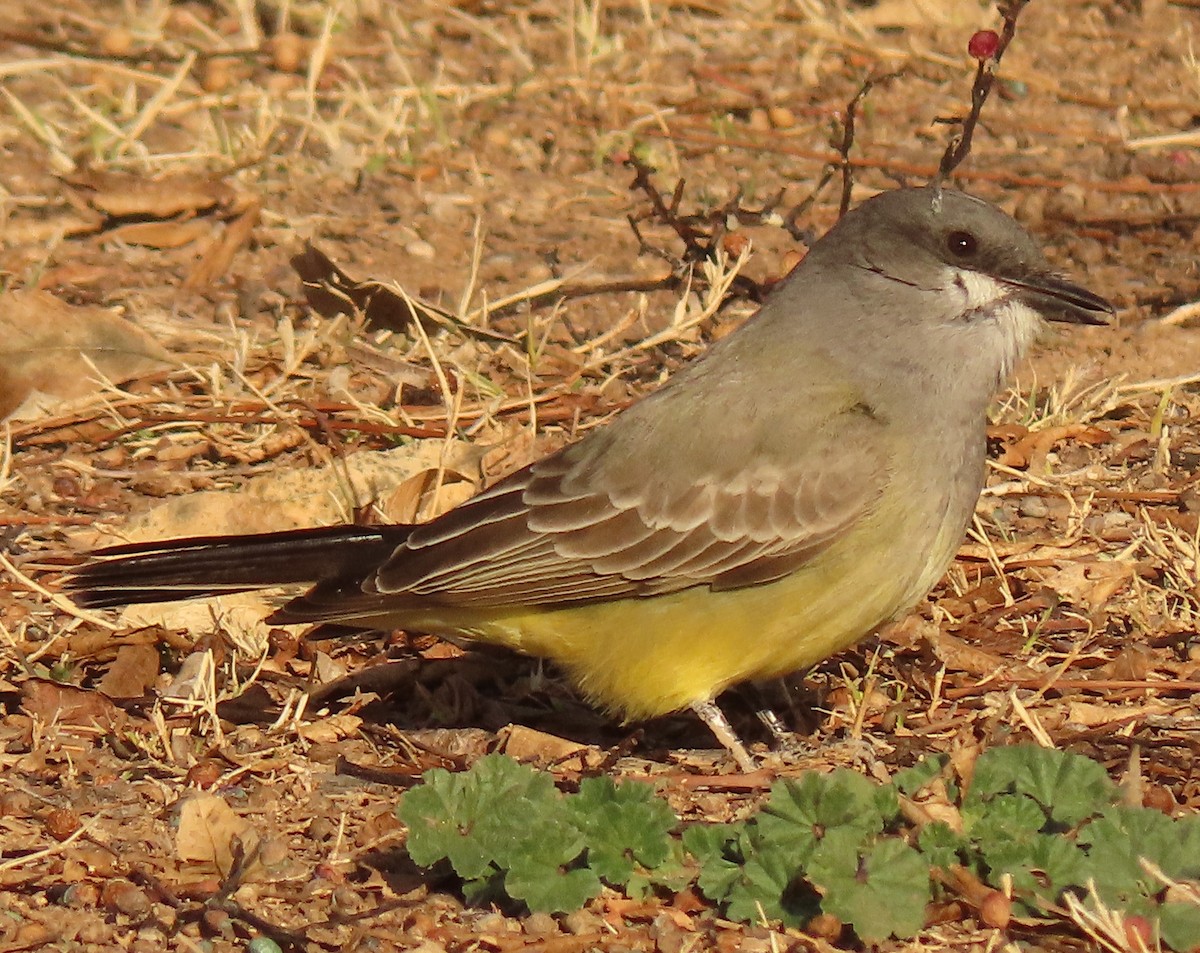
(1060, 300)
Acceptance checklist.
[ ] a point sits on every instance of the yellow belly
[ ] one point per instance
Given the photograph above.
(645, 657)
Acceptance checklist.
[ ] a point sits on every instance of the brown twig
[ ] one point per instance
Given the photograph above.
(847, 140)
(959, 146)
(701, 234)
(694, 249)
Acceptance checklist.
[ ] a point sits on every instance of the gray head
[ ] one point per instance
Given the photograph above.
(940, 263)
(924, 237)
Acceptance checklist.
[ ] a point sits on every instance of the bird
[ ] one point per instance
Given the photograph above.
(804, 481)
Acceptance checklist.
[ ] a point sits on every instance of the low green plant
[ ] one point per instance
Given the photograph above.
(508, 832)
(1043, 822)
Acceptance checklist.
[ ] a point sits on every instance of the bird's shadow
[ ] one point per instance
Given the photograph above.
(490, 689)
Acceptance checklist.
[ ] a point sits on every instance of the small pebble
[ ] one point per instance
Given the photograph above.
(781, 117)
(120, 896)
(62, 823)
(1034, 507)
(540, 924)
(421, 249)
(582, 921)
(287, 52)
(117, 41)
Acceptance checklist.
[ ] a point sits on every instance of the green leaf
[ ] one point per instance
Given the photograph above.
(911, 780)
(716, 848)
(800, 810)
(623, 825)
(765, 888)
(1069, 788)
(1179, 925)
(1004, 820)
(484, 816)
(548, 889)
(882, 891)
(941, 845)
(751, 877)
(486, 890)
(1116, 841)
(1045, 865)
(672, 874)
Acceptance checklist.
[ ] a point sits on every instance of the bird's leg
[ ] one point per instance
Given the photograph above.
(719, 725)
(774, 724)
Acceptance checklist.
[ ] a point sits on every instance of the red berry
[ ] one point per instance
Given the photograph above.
(984, 44)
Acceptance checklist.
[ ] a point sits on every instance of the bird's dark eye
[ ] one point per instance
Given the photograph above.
(961, 244)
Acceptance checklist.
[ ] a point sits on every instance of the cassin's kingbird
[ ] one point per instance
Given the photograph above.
(806, 480)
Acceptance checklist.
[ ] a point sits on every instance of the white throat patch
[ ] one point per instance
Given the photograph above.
(983, 298)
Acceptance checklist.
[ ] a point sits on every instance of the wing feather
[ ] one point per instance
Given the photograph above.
(578, 526)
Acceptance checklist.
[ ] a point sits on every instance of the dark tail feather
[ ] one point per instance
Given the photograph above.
(199, 566)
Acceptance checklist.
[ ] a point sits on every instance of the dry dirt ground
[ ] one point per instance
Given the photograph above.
(163, 162)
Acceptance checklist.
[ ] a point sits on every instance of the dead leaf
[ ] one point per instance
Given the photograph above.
(327, 669)
(1090, 585)
(132, 673)
(279, 500)
(330, 292)
(254, 706)
(1030, 450)
(960, 656)
(67, 705)
(289, 499)
(174, 234)
(331, 728)
(426, 495)
(121, 194)
(218, 257)
(527, 744)
(1134, 663)
(934, 804)
(55, 226)
(239, 616)
(180, 197)
(1093, 715)
(207, 828)
(49, 347)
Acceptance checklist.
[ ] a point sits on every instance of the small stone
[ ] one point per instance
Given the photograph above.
(540, 924)
(421, 249)
(116, 41)
(498, 137)
(120, 896)
(781, 117)
(62, 823)
(216, 923)
(287, 52)
(581, 922)
(1034, 507)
